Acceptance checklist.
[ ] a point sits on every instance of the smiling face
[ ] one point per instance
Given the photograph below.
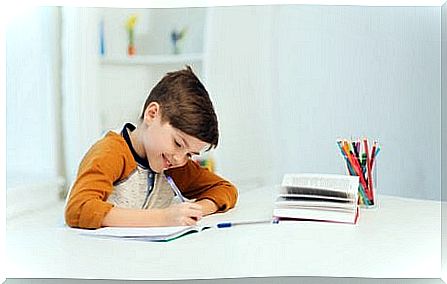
(164, 146)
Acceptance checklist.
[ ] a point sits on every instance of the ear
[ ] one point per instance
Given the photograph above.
(151, 113)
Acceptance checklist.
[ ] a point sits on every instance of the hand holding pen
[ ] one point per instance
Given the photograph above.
(182, 214)
(189, 211)
(175, 188)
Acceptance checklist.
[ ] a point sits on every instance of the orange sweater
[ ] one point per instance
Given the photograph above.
(110, 161)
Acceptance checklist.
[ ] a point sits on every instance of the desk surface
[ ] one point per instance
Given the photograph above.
(401, 238)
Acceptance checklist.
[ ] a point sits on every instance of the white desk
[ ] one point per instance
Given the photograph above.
(401, 238)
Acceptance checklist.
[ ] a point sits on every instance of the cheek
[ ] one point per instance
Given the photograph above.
(153, 149)
(157, 146)
(150, 146)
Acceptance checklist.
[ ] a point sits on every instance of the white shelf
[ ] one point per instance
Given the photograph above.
(151, 59)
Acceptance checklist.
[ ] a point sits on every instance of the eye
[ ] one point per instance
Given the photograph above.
(177, 144)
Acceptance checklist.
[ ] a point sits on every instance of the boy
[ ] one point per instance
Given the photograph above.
(121, 180)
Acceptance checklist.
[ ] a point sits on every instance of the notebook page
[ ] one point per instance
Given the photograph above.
(133, 232)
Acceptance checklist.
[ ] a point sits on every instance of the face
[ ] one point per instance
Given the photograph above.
(167, 147)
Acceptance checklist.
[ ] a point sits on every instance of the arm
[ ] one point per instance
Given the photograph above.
(132, 218)
(212, 192)
(107, 161)
(207, 206)
(184, 214)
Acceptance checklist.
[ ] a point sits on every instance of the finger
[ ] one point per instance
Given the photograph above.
(195, 206)
(195, 214)
(189, 205)
(187, 211)
(191, 213)
(190, 221)
(187, 221)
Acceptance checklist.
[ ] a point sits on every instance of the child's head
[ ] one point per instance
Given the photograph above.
(180, 108)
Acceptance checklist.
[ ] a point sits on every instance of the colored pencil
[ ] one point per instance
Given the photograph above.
(368, 168)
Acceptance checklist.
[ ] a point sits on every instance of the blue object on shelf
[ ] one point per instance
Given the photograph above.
(102, 47)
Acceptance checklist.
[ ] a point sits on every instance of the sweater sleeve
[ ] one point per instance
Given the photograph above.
(197, 182)
(104, 163)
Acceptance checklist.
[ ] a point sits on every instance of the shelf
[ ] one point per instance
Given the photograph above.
(151, 59)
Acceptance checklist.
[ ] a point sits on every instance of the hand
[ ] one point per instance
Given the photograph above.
(208, 206)
(183, 214)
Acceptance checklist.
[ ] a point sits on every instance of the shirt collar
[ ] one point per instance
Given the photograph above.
(129, 127)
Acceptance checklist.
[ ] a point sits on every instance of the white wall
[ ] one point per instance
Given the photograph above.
(31, 96)
(444, 138)
(80, 107)
(238, 75)
(444, 103)
(34, 157)
(351, 57)
(326, 64)
(162, 21)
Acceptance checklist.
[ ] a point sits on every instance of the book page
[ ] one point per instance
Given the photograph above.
(328, 182)
(308, 199)
(323, 197)
(282, 202)
(312, 214)
(316, 197)
(136, 231)
(312, 191)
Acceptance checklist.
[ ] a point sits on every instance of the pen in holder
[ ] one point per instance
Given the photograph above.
(361, 161)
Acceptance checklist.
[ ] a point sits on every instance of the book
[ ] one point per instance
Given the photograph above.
(153, 234)
(319, 197)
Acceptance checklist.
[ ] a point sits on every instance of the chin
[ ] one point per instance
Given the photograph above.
(161, 169)
(176, 166)
(157, 169)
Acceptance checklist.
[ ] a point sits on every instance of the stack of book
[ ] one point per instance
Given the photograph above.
(331, 198)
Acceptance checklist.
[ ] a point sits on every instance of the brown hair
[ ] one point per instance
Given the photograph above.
(186, 105)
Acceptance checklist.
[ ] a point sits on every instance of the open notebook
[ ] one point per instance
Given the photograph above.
(163, 234)
(156, 234)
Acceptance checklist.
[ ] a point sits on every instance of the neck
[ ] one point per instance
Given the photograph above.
(136, 142)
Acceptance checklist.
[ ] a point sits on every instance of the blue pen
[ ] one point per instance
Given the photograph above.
(377, 151)
(232, 224)
(175, 188)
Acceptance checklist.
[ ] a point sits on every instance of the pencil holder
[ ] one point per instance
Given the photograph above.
(364, 165)
(367, 197)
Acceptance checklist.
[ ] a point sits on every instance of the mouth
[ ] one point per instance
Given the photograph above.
(166, 162)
